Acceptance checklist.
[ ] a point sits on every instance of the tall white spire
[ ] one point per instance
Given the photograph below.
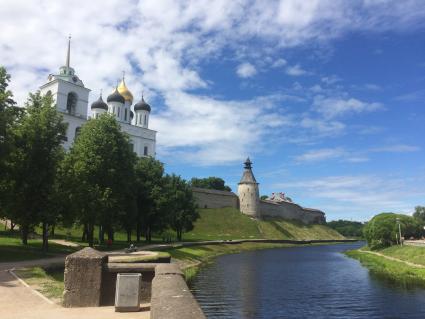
(68, 55)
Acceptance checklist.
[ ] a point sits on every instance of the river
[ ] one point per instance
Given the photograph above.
(301, 282)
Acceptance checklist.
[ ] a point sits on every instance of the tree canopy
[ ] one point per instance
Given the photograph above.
(33, 164)
(210, 183)
(347, 228)
(98, 171)
(382, 230)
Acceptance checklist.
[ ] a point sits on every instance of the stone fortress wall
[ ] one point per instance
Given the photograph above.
(249, 203)
(208, 198)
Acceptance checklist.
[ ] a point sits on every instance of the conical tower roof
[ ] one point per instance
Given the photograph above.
(248, 176)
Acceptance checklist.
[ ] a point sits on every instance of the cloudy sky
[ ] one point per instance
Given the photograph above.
(326, 97)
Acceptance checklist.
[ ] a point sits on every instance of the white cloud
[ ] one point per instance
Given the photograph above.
(320, 155)
(279, 63)
(246, 70)
(163, 46)
(331, 107)
(295, 70)
(398, 148)
(361, 196)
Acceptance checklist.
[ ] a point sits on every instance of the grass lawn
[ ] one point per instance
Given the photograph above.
(413, 254)
(48, 282)
(395, 271)
(229, 223)
(11, 248)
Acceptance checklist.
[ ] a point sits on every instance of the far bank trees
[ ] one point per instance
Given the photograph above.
(382, 230)
(211, 182)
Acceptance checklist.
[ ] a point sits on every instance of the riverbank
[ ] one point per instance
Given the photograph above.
(404, 265)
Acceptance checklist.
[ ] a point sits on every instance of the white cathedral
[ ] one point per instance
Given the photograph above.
(71, 98)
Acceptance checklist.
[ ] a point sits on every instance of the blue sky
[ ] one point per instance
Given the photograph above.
(326, 97)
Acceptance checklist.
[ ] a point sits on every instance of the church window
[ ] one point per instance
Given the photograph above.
(145, 151)
(125, 115)
(145, 120)
(119, 112)
(71, 103)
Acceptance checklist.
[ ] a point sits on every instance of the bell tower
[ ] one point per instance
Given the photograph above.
(249, 197)
(67, 90)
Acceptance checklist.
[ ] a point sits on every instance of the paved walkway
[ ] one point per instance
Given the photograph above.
(18, 301)
(393, 258)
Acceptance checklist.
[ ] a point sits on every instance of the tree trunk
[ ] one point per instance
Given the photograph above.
(128, 235)
(90, 233)
(12, 225)
(5, 225)
(85, 231)
(45, 245)
(138, 232)
(148, 234)
(179, 234)
(110, 233)
(24, 233)
(101, 234)
(52, 233)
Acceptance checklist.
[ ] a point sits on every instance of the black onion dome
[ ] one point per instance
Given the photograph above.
(99, 104)
(116, 97)
(142, 106)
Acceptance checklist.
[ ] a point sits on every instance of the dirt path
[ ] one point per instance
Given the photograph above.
(392, 258)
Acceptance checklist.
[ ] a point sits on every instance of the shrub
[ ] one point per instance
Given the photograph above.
(381, 230)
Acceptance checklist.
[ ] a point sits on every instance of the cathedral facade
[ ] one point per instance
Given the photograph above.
(72, 101)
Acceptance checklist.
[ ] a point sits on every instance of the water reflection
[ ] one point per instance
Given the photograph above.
(301, 282)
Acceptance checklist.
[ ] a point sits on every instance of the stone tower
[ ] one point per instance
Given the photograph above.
(249, 198)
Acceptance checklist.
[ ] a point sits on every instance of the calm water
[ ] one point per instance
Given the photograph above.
(301, 282)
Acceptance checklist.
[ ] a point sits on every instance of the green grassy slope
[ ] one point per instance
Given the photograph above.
(229, 223)
(395, 271)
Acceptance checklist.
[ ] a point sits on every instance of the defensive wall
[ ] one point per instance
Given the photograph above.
(210, 198)
(207, 198)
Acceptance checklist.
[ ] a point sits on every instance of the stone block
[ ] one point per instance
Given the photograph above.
(127, 292)
(83, 278)
(171, 297)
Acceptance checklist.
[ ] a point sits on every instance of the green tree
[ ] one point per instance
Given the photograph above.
(98, 173)
(9, 115)
(347, 227)
(33, 165)
(149, 194)
(181, 205)
(210, 183)
(419, 214)
(263, 197)
(382, 229)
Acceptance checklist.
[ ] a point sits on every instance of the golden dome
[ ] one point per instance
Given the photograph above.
(125, 92)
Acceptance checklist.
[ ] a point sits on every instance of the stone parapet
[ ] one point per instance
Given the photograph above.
(171, 297)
